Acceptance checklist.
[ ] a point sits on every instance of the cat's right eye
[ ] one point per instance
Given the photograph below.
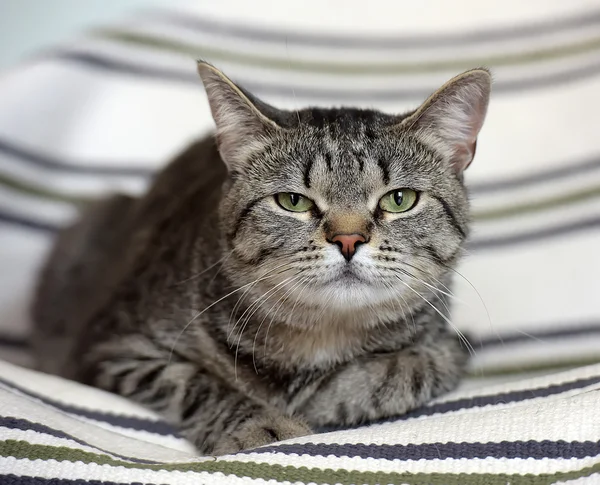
(399, 200)
(293, 202)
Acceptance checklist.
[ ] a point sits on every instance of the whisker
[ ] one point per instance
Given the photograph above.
(260, 302)
(464, 339)
(455, 271)
(279, 302)
(250, 310)
(241, 298)
(305, 282)
(186, 326)
(205, 270)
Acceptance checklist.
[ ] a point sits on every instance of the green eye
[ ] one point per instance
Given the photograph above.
(399, 200)
(294, 202)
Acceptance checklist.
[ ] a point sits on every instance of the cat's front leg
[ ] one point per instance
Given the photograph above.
(262, 428)
(387, 385)
(213, 414)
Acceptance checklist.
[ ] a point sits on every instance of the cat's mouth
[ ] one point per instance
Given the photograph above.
(347, 275)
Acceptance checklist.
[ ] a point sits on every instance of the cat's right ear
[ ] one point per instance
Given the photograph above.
(452, 117)
(240, 123)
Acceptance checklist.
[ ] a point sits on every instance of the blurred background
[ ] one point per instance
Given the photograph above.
(96, 96)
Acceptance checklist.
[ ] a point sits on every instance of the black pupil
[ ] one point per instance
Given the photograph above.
(398, 197)
(294, 199)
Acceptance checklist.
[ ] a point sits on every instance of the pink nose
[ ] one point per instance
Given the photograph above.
(348, 243)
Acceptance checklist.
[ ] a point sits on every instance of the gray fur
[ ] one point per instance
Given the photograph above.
(237, 320)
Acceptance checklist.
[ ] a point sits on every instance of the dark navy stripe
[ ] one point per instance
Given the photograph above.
(567, 169)
(573, 330)
(501, 398)
(535, 235)
(11, 479)
(105, 62)
(25, 425)
(278, 36)
(27, 223)
(14, 342)
(49, 163)
(442, 451)
(139, 424)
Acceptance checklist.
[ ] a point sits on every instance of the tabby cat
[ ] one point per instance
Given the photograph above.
(290, 273)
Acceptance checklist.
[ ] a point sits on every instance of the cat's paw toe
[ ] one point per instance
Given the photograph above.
(261, 431)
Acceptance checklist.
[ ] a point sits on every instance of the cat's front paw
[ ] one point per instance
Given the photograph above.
(261, 431)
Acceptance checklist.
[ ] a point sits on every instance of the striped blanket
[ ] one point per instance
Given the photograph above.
(104, 112)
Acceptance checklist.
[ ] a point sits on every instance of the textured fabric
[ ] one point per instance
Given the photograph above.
(534, 431)
(106, 111)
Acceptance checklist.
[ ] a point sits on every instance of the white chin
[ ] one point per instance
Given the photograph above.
(347, 295)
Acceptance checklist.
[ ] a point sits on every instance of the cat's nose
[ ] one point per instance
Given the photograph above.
(348, 243)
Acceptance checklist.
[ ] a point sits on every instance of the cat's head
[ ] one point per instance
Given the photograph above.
(344, 208)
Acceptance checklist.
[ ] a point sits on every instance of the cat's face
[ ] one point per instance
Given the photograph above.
(344, 209)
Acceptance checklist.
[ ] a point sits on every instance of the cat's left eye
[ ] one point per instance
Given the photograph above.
(399, 200)
(293, 202)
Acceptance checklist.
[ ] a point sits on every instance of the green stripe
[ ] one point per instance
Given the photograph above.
(25, 450)
(40, 192)
(539, 205)
(508, 370)
(347, 68)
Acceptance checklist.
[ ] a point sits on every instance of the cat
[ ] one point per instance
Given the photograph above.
(289, 273)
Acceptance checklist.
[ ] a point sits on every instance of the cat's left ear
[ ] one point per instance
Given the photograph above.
(451, 118)
(240, 118)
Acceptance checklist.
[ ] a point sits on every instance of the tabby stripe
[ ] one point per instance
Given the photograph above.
(432, 252)
(385, 170)
(212, 25)
(129, 422)
(450, 216)
(102, 61)
(23, 450)
(307, 170)
(357, 68)
(442, 451)
(25, 425)
(265, 253)
(245, 211)
(148, 377)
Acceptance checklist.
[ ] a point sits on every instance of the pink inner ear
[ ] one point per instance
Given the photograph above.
(467, 146)
(469, 156)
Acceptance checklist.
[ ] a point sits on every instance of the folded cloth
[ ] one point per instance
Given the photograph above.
(536, 431)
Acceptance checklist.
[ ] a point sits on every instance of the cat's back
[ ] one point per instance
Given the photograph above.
(89, 258)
